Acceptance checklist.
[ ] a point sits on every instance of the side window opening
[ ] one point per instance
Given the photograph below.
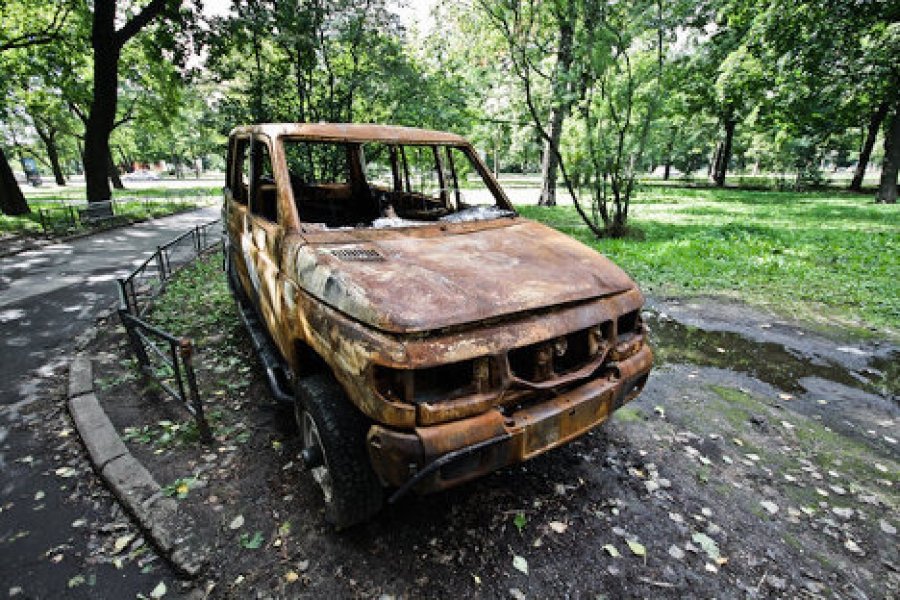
(329, 183)
(240, 171)
(264, 193)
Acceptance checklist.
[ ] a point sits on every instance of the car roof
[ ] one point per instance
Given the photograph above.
(353, 132)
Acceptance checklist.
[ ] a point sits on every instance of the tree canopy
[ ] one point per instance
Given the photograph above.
(591, 93)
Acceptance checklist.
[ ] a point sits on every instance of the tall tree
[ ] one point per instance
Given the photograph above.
(561, 93)
(887, 187)
(107, 42)
(23, 24)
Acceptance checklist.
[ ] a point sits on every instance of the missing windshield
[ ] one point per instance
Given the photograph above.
(387, 185)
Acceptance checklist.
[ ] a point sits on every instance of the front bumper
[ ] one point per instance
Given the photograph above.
(441, 456)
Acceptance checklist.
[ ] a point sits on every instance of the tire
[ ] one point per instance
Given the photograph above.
(326, 418)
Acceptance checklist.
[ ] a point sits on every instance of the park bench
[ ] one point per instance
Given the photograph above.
(97, 213)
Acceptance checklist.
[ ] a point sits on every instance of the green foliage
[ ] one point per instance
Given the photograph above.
(818, 254)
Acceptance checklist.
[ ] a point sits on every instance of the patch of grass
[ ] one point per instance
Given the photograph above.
(825, 256)
(197, 300)
(629, 414)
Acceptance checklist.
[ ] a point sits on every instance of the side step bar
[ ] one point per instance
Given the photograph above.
(278, 374)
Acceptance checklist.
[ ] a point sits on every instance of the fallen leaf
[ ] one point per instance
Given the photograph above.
(517, 594)
(785, 397)
(76, 581)
(291, 576)
(159, 591)
(520, 564)
(611, 550)
(252, 543)
(770, 506)
(519, 521)
(637, 548)
(853, 547)
(38, 495)
(236, 523)
(558, 527)
(708, 544)
(122, 542)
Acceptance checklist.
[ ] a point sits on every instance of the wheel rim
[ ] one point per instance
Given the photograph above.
(310, 435)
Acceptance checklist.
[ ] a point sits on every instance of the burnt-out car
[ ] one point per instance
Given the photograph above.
(426, 333)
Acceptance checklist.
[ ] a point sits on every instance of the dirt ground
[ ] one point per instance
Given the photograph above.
(760, 461)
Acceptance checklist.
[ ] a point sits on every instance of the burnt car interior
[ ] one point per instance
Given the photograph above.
(385, 185)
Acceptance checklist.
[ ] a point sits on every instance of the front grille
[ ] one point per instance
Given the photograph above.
(552, 358)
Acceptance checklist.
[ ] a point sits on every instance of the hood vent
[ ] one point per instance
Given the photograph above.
(356, 254)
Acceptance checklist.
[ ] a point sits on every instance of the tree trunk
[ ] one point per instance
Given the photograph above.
(887, 188)
(53, 156)
(48, 137)
(113, 172)
(866, 152)
(713, 162)
(102, 115)
(550, 164)
(12, 201)
(724, 156)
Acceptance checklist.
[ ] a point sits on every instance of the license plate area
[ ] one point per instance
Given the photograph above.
(565, 421)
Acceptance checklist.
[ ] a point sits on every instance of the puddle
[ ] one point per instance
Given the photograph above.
(776, 364)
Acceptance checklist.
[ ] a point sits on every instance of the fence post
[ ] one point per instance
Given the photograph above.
(160, 264)
(186, 351)
(134, 340)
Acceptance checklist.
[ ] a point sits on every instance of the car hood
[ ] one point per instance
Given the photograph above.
(418, 280)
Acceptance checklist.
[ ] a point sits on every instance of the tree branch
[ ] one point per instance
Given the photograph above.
(141, 20)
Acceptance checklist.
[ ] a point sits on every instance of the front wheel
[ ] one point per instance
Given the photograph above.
(333, 434)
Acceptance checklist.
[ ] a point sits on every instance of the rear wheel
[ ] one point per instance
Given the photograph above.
(333, 434)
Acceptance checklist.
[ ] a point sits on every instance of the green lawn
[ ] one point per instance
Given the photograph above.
(59, 218)
(826, 257)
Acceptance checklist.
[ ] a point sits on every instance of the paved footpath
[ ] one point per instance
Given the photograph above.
(47, 297)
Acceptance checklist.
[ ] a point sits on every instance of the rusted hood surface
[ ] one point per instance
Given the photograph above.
(421, 281)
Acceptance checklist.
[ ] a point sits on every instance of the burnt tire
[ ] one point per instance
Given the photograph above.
(326, 418)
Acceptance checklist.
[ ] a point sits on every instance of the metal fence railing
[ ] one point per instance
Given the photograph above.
(139, 289)
(161, 355)
(61, 216)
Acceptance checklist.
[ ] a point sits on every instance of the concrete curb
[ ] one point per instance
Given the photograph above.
(156, 514)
